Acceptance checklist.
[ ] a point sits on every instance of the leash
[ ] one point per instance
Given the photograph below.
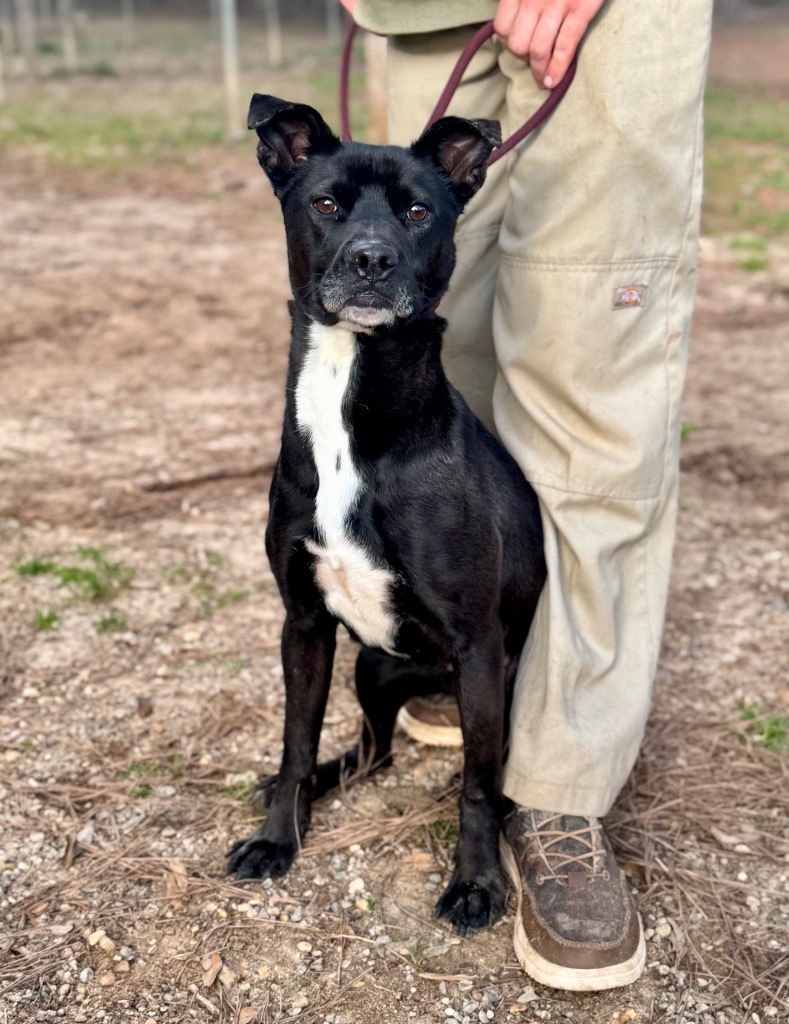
(483, 33)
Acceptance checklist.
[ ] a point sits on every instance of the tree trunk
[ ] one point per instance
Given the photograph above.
(28, 36)
(68, 31)
(274, 45)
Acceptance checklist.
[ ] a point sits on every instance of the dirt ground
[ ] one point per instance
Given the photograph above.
(142, 350)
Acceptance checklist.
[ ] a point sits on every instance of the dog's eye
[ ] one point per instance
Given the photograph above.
(325, 205)
(417, 211)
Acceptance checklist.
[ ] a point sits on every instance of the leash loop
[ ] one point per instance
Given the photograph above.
(481, 36)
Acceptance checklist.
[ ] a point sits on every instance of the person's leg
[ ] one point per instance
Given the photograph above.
(595, 293)
(418, 69)
(594, 298)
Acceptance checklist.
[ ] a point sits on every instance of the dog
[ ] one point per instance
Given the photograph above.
(393, 511)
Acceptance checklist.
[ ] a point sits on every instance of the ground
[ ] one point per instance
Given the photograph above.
(142, 351)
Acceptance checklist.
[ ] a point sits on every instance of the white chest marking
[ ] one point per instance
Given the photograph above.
(354, 589)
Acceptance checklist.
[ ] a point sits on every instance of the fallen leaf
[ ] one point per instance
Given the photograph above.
(420, 861)
(61, 929)
(211, 965)
(226, 977)
(176, 881)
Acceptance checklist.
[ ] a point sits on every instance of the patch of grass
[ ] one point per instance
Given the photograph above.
(142, 770)
(48, 47)
(176, 573)
(416, 954)
(115, 622)
(749, 244)
(94, 133)
(766, 729)
(746, 164)
(687, 431)
(45, 621)
(754, 263)
(745, 116)
(214, 558)
(95, 582)
(444, 832)
(102, 69)
(139, 769)
(177, 769)
(241, 790)
(35, 567)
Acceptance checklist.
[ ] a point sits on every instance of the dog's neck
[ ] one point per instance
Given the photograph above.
(396, 385)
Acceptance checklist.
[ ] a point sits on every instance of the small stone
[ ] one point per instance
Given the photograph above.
(663, 930)
(527, 996)
(107, 979)
(491, 995)
(106, 943)
(627, 1015)
(37, 837)
(86, 976)
(742, 876)
(357, 885)
(361, 904)
(122, 967)
(442, 988)
(80, 1018)
(93, 938)
(300, 1003)
(126, 952)
(304, 947)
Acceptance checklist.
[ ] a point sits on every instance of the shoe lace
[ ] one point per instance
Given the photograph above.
(578, 851)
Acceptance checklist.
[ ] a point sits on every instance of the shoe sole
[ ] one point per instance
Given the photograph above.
(432, 735)
(569, 979)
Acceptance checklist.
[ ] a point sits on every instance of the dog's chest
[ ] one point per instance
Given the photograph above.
(353, 587)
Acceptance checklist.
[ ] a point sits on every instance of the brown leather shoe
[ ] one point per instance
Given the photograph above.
(433, 720)
(577, 927)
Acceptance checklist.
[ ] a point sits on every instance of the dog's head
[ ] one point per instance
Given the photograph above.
(369, 228)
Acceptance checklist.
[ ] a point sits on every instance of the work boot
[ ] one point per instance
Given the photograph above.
(577, 927)
(434, 720)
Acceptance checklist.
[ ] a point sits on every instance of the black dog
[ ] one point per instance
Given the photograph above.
(393, 510)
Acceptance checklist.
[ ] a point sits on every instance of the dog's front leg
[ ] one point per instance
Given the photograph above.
(307, 653)
(476, 894)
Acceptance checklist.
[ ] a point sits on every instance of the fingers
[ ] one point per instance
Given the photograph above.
(570, 35)
(544, 32)
(545, 36)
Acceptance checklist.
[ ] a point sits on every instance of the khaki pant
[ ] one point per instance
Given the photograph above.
(584, 393)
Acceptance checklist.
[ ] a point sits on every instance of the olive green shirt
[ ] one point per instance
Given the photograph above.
(404, 17)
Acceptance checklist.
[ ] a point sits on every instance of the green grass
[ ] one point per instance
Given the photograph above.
(115, 622)
(766, 729)
(687, 431)
(754, 263)
(444, 831)
(92, 133)
(95, 580)
(746, 168)
(744, 116)
(45, 621)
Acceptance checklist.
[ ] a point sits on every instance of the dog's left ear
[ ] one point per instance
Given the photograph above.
(460, 149)
(289, 134)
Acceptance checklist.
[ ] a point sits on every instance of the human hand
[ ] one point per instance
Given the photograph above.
(544, 32)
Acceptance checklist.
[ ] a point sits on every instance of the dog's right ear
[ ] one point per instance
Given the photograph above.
(289, 134)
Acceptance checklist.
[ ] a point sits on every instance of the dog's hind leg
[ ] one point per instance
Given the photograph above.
(383, 684)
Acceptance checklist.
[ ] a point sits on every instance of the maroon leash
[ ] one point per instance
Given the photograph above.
(483, 33)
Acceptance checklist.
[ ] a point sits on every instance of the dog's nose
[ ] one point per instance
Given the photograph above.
(372, 260)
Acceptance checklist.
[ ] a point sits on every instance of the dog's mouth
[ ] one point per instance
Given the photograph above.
(368, 308)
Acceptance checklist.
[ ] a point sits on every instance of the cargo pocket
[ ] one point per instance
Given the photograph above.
(586, 396)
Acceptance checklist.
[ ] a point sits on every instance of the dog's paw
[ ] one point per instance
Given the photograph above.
(260, 858)
(477, 904)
